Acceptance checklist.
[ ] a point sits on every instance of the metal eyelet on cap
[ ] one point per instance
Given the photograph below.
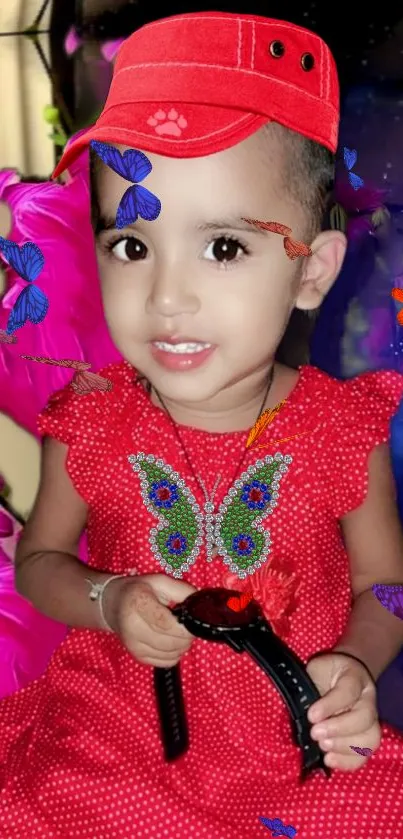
(307, 61)
(277, 49)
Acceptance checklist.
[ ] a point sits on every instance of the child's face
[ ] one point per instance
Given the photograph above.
(200, 274)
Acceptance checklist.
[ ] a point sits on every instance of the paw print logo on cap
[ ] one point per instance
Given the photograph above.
(170, 123)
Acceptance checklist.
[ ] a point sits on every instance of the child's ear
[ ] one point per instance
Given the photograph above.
(321, 269)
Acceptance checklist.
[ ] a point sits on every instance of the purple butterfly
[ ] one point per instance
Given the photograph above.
(31, 304)
(364, 752)
(134, 166)
(391, 597)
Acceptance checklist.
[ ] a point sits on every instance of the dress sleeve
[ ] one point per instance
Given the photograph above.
(361, 417)
(82, 422)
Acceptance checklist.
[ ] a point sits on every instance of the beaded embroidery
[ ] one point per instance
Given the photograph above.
(236, 529)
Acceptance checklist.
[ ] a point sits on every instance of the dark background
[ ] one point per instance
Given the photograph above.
(367, 45)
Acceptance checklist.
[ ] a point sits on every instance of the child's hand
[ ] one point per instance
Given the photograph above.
(146, 626)
(347, 713)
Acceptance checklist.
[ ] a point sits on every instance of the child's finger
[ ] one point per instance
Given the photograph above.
(157, 658)
(164, 641)
(356, 721)
(341, 745)
(343, 762)
(156, 615)
(340, 699)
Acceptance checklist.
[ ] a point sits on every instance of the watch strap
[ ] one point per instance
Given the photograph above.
(171, 711)
(296, 687)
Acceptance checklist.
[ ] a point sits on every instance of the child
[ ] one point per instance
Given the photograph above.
(238, 116)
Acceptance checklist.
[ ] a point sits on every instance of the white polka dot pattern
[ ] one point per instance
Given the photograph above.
(80, 755)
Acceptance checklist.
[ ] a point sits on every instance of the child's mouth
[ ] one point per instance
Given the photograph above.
(181, 355)
(179, 349)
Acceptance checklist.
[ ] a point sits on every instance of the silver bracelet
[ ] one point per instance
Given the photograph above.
(97, 593)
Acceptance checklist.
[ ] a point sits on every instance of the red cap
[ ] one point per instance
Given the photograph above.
(195, 84)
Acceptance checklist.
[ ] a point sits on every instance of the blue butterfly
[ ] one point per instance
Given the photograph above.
(31, 304)
(277, 827)
(134, 166)
(350, 159)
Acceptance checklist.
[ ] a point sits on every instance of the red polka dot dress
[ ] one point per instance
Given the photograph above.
(80, 752)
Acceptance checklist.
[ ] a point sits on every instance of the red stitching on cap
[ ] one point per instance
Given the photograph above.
(239, 22)
(321, 70)
(252, 63)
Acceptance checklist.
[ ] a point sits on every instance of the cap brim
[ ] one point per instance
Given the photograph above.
(177, 130)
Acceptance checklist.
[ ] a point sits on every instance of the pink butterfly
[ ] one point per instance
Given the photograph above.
(5, 338)
(72, 41)
(363, 752)
(83, 382)
(110, 49)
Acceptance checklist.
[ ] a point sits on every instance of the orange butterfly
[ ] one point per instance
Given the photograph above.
(283, 440)
(397, 294)
(292, 247)
(262, 422)
(83, 382)
(60, 362)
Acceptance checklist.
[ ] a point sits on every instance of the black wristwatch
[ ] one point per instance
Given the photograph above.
(206, 615)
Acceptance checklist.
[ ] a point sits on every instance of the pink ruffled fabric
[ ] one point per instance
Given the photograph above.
(57, 218)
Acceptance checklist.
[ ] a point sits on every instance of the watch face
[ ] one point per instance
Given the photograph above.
(221, 607)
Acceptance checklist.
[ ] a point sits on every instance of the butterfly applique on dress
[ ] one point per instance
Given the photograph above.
(235, 531)
(31, 304)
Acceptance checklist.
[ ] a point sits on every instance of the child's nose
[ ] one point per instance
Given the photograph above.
(171, 295)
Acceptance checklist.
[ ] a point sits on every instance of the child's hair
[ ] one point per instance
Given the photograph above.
(307, 174)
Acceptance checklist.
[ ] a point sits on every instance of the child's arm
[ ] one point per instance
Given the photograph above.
(374, 542)
(49, 574)
(47, 570)
(346, 714)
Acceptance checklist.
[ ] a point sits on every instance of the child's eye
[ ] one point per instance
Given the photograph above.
(225, 249)
(127, 249)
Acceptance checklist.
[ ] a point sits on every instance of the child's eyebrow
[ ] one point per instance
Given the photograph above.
(232, 223)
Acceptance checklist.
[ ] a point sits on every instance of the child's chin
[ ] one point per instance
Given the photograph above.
(189, 387)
